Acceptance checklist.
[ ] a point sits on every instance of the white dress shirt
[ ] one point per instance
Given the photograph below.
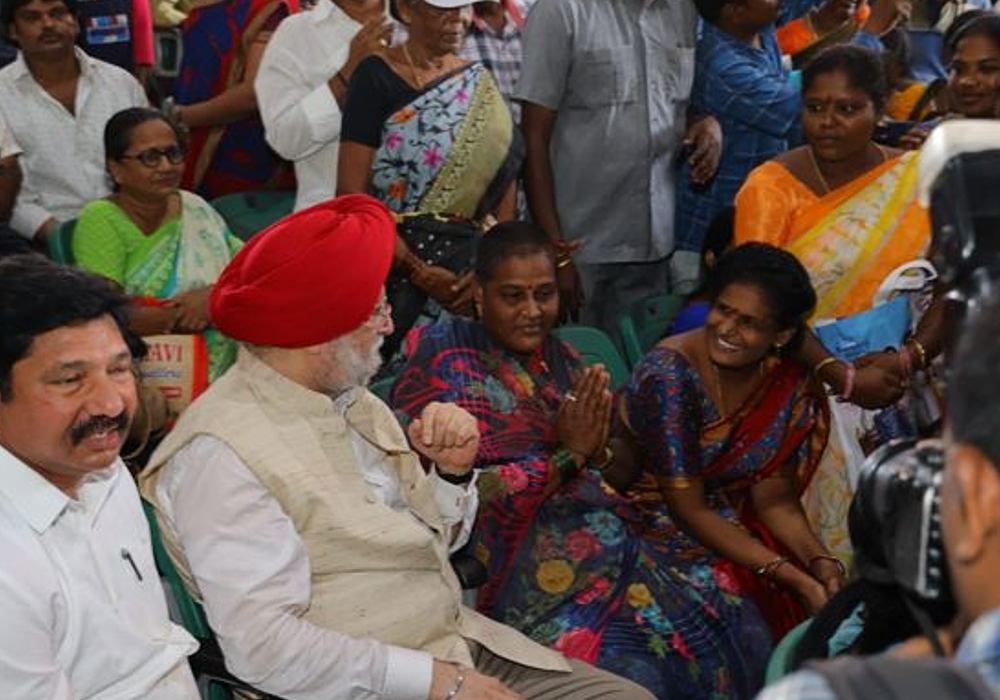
(300, 114)
(8, 146)
(82, 609)
(63, 153)
(253, 572)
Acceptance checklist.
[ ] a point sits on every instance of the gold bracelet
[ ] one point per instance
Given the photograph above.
(560, 264)
(921, 351)
(826, 362)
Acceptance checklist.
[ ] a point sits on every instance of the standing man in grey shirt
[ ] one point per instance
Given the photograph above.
(605, 89)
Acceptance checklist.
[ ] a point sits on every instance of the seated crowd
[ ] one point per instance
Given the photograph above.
(468, 180)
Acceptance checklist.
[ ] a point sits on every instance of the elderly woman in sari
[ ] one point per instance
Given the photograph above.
(429, 133)
(164, 246)
(583, 557)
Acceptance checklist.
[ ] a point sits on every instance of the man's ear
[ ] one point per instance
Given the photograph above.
(978, 482)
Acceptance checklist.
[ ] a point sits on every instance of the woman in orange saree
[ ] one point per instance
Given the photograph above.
(847, 208)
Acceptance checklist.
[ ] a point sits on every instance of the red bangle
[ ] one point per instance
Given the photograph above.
(852, 373)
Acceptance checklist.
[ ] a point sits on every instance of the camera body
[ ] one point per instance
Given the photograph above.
(895, 520)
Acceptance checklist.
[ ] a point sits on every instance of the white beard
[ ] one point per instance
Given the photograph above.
(348, 366)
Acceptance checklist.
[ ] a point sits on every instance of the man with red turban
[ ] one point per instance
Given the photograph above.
(301, 515)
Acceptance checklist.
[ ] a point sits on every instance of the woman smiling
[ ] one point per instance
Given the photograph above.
(579, 558)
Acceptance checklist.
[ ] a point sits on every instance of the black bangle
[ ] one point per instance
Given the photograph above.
(457, 479)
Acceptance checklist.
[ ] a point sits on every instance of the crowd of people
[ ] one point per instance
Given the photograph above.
(467, 178)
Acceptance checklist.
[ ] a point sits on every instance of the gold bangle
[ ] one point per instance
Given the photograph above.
(826, 362)
(607, 459)
(827, 557)
(769, 569)
(921, 351)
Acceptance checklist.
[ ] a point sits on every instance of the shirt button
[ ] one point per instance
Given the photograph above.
(371, 498)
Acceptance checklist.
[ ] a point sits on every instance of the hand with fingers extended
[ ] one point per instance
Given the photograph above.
(446, 434)
(585, 413)
(453, 682)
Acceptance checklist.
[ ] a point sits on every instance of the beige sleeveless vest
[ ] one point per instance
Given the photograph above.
(376, 572)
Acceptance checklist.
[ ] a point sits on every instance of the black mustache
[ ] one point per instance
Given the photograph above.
(98, 424)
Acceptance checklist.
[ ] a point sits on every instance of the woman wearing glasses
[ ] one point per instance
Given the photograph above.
(164, 246)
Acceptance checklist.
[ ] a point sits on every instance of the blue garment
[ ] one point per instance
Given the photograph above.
(692, 316)
(746, 89)
(980, 649)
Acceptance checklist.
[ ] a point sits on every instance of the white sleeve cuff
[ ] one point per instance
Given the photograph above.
(408, 674)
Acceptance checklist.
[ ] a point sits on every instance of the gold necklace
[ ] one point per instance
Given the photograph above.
(817, 171)
(413, 69)
(723, 413)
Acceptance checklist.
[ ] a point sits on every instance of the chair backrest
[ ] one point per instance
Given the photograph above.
(60, 242)
(383, 388)
(647, 322)
(595, 347)
(191, 613)
(780, 663)
(248, 213)
(214, 681)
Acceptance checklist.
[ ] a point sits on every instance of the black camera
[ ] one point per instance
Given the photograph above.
(895, 520)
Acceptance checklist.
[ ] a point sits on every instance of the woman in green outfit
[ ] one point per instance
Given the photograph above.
(164, 246)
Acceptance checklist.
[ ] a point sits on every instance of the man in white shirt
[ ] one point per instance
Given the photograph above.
(302, 84)
(56, 100)
(83, 612)
(301, 514)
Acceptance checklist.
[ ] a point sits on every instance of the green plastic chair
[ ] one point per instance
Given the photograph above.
(249, 213)
(595, 347)
(60, 243)
(383, 388)
(647, 322)
(780, 663)
(206, 663)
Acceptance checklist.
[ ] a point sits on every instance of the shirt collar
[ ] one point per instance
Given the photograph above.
(19, 68)
(39, 502)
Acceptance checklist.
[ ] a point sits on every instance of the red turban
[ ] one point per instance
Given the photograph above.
(309, 278)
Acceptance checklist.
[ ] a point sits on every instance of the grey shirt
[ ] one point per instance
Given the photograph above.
(619, 75)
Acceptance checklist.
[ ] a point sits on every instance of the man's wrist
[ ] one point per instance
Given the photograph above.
(457, 478)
